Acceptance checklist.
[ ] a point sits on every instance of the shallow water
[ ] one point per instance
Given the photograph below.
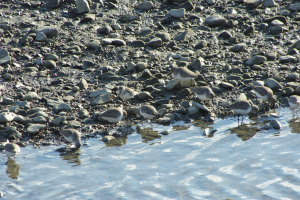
(234, 161)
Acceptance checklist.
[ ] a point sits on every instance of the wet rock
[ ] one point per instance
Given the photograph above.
(296, 45)
(155, 42)
(8, 101)
(177, 13)
(184, 36)
(164, 120)
(201, 44)
(83, 113)
(166, 132)
(146, 73)
(295, 7)
(273, 84)
(50, 56)
(49, 64)
(108, 138)
(253, 3)
(269, 3)
(215, 20)
(12, 131)
(163, 36)
(93, 45)
(109, 41)
(210, 117)
(196, 64)
(83, 85)
(54, 3)
(227, 85)
(192, 110)
(256, 60)
(58, 121)
(41, 37)
(106, 30)
(141, 66)
(275, 124)
(188, 6)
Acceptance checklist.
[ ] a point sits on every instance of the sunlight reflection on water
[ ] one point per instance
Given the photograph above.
(197, 160)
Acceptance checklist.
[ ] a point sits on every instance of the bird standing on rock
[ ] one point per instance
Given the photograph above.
(147, 111)
(203, 93)
(113, 115)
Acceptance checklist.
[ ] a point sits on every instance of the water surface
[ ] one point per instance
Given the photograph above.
(233, 161)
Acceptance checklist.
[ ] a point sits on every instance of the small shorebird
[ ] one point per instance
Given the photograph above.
(126, 93)
(12, 150)
(72, 136)
(113, 115)
(147, 111)
(264, 93)
(203, 93)
(243, 107)
(183, 74)
(294, 102)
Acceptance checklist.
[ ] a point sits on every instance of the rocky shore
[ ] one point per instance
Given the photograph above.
(61, 61)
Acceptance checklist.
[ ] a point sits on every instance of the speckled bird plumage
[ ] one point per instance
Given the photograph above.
(11, 149)
(147, 111)
(294, 101)
(126, 93)
(264, 93)
(113, 115)
(183, 74)
(73, 136)
(203, 93)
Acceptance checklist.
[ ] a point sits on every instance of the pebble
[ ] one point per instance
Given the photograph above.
(177, 13)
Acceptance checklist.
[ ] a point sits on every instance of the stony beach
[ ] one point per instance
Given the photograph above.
(62, 61)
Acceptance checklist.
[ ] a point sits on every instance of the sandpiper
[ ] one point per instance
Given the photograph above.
(294, 101)
(204, 93)
(183, 74)
(126, 93)
(12, 150)
(147, 111)
(72, 136)
(243, 107)
(113, 115)
(264, 93)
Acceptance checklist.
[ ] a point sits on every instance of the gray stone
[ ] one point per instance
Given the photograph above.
(287, 59)
(201, 44)
(197, 63)
(295, 7)
(275, 124)
(3, 53)
(296, 45)
(106, 30)
(164, 120)
(49, 64)
(210, 2)
(83, 113)
(253, 3)
(131, 67)
(99, 92)
(177, 13)
(163, 36)
(144, 31)
(146, 5)
(49, 31)
(93, 45)
(146, 73)
(227, 85)
(188, 5)
(273, 84)
(239, 47)
(102, 99)
(8, 101)
(58, 120)
(144, 96)
(64, 107)
(210, 117)
(38, 120)
(30, 96)
(34, 128)
(113, 41)
(82, 6)
(185, 36)
(256, 60)
(269, 3)
(215, 20)
(23, 104)
(108, 138)
(141, 66)
(54, 3)
(192, 110)
(41, 37)
(75, 88)
(155, 42)
(83, 85)
(13, 131)
(6, 117)
(172, 84)
(50, 56)
(5, 60)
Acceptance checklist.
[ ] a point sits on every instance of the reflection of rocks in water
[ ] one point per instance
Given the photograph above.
(294, 125)
(202, 124)
(181, 127)
(12, 169)
(147, 134)
(72, 155)
(245, 131)
(118, 141)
